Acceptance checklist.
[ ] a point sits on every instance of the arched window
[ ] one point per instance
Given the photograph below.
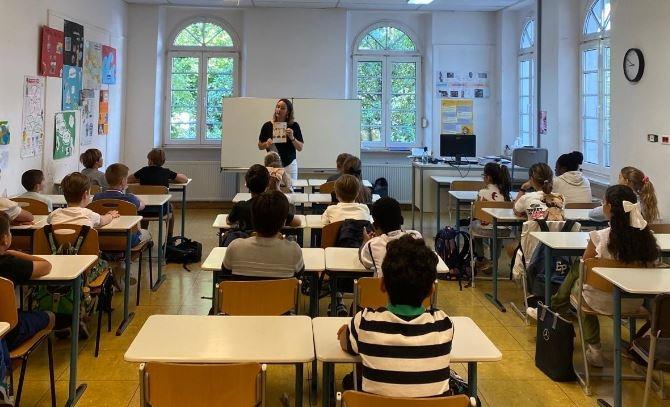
(203, 63)
(527, 111)
(387, 73)
(595, 87)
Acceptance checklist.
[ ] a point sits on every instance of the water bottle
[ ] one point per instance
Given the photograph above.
(424, 156)
(508, 151)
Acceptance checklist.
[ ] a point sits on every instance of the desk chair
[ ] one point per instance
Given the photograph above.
(117, 244)
(100, 288)
(95, 189)
(582, 205)
(32, 205)
(477, 213)
(329, 234)
(168, 215)
(360, 399)
(9, 313)
(327, 188)
(660, 227)
(587, 276)
(258, 297)
(202, 385)
(368, 294)
(527, 156)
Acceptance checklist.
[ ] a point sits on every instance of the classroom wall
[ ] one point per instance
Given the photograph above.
(20, 30)
(639, 109)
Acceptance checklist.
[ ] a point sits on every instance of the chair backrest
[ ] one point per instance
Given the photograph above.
(125, 208)
(183, 384)
(138, 189)
(595, 280)
(660, 227)
(94, 189)
(329, 234)
(327, 188)
(478, 206)
(356, 398)
(527, 156)
(464, 185)
(8, 305)
(32, 205)
(66, 234)
(660, 316)
(582, 205)
(368, 294)
(259, 297)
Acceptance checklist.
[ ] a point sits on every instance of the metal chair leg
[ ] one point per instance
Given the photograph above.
(22, 376)
(650, 368)
(139, 279)
(151, 273)
(52, 380)
(101, 305)
(586, 380)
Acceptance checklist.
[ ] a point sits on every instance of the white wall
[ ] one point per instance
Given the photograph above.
(642, 108)
(20, 30)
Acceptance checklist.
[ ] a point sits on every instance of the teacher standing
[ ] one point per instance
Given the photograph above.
(294, 141)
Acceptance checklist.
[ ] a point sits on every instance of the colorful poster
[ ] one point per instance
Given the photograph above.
(108, 65)
(92, 64)
(73, 44)
(462, 85)
(71, 87)
(51, 58)
(32, 128)
(5, 135)
(89, 117)
(103, 113)
(456, 116)
(4, 164)
(64, 134)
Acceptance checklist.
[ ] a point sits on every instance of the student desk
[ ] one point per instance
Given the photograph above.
(344, 262)
(158, 202)
(328, 199)
(630, 282)
(295, 199)
(67, 270)
(179, 187)
(470, 345)
(316, 183)
(221, 223)
(441, 182)
(314, 224)
(226, 339)
(462, 198)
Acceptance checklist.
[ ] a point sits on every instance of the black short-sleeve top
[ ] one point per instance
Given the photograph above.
(286, 150)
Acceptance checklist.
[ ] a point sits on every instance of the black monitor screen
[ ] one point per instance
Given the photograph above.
(458, 145)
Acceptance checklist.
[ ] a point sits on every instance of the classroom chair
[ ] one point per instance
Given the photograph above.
(9, 313)
(202, 385)
(368, 294)
(660, 228)
(524, 157)
(329, 234)
(94, 189)
(654, 349)
(117, 244)
(360, 399)
(32, 205)
(327, 188)
(582, 205)
(587, 276)
(258, 297)
(100, 288)
(168, 215)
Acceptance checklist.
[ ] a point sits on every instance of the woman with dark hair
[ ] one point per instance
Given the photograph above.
(294, 142)
(569, 180)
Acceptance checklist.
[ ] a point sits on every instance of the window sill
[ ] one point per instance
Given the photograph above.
(191, 146)
(385, 150)
(597, 177)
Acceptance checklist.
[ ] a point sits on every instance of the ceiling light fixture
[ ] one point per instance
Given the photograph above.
(419, 1)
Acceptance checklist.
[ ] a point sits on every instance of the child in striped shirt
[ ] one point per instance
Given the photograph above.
(404, 348)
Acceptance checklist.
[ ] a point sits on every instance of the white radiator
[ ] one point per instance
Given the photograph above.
(208, 183)
(398, 176)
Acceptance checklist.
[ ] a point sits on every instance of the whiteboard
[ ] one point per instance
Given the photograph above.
(329, 127)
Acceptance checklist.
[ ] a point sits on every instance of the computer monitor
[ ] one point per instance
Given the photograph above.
(458, 145)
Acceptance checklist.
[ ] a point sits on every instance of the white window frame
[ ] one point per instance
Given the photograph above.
(203, 53)
(387, 58)
(527, 54)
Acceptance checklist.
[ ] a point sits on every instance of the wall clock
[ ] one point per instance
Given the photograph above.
(633, 65)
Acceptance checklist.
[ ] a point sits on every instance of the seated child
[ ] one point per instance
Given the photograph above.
(92, 161)
(267, 253)
(536, 204)
(256, 179)
(33, 182)
(404, 348)
(347, 188)
(339, 162)
(352, 166)
(388, 227)
(75, 189)
(279, 179)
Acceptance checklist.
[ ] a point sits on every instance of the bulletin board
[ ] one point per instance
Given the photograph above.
(456, 116)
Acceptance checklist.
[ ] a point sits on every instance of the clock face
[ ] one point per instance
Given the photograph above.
(633, 65)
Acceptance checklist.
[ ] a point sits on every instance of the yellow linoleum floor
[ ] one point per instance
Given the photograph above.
(514, 381)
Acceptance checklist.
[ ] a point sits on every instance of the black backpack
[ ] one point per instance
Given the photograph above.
(180, 249)
(381, 187)
(351, 233)
(455, 257)
(535, 269)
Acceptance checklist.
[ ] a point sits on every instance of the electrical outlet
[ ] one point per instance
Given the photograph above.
(652, 138)
(665, 139)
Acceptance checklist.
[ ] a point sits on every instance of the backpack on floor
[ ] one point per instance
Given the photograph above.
(182, 250)
(381, 187)
(560, 265)
(554, 345)
(455, 257)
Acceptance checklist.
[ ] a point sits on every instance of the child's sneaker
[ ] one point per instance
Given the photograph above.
(531, 313)
(5, 399)
(594, 355)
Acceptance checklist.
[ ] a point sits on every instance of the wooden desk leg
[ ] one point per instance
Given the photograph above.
(74, 392)
(472, 378)
(127, 316)
(298, 384)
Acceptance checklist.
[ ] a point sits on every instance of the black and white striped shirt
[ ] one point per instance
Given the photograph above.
(403, 356)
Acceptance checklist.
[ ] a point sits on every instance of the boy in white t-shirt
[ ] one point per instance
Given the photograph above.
(347, 188)
(75, 189)
(33, 182)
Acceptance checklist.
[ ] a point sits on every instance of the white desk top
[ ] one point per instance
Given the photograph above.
(121, 223)
(314, 221)
(221, 222)
(297, 198)
(346, 259)
(637, 280)
(507, 214)
(563, 240)
(39, 221)
(58, 200)
(471, 196)
(313, 258)
(320, 198)
(314, 182)
(219, 339)
(440, 179)
(180, 184)
(4, 328)
(67, 267)
(154, 200)
(470, 344)
(300, 183)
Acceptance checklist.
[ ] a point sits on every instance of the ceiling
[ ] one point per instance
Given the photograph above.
(437, 5)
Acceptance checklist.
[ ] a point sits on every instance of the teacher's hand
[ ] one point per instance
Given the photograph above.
(289, 134)
(268, 143)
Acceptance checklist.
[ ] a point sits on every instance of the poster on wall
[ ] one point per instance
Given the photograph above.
(64, 134)
(108, 65)
(103, 113)
(51, 55)
(4, 164)
(89, 116)
(71, 87)
(5, 134)
(32, 127)
(462, 85)
(456, 116)
(92, 64)
(73, 44)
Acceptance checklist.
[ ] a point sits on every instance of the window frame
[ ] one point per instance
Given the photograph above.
(527, 54)
(203, 54)
(387, 58)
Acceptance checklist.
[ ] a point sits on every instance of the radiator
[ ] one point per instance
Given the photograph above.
(208, 183)
(398, 176)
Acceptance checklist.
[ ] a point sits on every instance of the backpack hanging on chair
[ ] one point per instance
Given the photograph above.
(455, 256)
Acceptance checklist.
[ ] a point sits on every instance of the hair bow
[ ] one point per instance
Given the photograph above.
(636, 219)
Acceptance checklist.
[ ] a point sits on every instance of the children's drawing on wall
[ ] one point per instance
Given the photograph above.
(5, 135)
(89, 116)
(4, 164)
(108, 65)
(92, 64)
(103, 113)
(462, 85)
(64, 134)
(32, 129)
(71, 87)
(73, 44)
(51, 58)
